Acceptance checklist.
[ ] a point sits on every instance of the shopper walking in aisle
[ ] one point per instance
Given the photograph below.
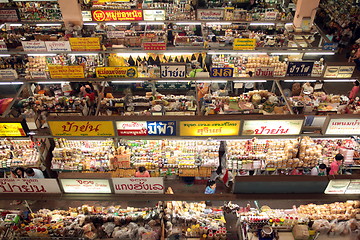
(33, 173)
(142, 172)
(346, 36)
(355, 90)
(335, 166)
(319, 170)
(210, 187)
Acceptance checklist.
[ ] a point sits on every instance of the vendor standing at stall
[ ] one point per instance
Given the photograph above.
(335, 167)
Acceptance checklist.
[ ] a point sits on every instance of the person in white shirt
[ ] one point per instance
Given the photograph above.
(319, 170)
(33, 173)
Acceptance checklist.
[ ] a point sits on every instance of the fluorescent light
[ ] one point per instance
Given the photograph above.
(83, 54)
(118, 24)
(11, 83)
(299, 80)
(236, 53)
(245, 81)
(289, 23)
(177, 53)
(170, 81)
(188, 23)
(261, 24)
(90, 24)
(51, 82)
(16, 25)
(48, 24)
(339, 80)
(218, 23)
(5, 55)
(2, 25)
(135, 81)
(151, 23)
(42, 55)
(285, 53)
(320, 53)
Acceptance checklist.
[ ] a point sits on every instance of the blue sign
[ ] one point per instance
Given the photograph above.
(222, 72)
(161, 128)
(300, 68)
(330, 46)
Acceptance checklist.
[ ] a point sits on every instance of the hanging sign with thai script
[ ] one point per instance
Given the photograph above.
(118, 72)
(131, 128)
(34, 46)
(343, 126)
(58, 46)
(264, 72)
(244, 44)
(12, 130)
(81, 128)
(222, 72)
(207, 14)
(8, 74)
(161, 128)
(66, 71)
(153, 185)
(85, 44)
(209, 128)
(154, 46)
(300, 68)
(31, 185)
(117, 15)
(272, 127)
(173, 70)
(85, 185)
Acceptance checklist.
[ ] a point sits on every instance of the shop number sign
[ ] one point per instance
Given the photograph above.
(66, 71)
(81, 128)
(117, 15)
(31, 185)
(343, 126)
(118, 72)
(222, 72)
(12, 130)
(209, 128)
(244, 44)
(146, 128)
(153, 185)
(272, 127)
(85, 185)
(300, 68)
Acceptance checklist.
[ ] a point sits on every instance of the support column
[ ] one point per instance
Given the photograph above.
(305, 13)
(71, 12)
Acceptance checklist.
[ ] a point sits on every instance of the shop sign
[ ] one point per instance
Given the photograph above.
(343, 126)
(222, 72)
(134, 128)
(66, 71)
(8, 74)
(337, 186)
(85, 185)
(270, 16)
(81, 128)
(86, 16)
(12, 130)
(272, 127)
(154, 15)
(58, 46)
(38, 75)
(3, 47)
(300, 68)
(154, 46)
(161, 128)
(153, 185)
(30, 185)
(353, 187)
(244, 44)
(209, 128)
(85, 44)
(206, 14)
(115, 34)
(8, 15)
(117, 15)
(330, 46)
(264, 72)
(118, 72)
(339, 71)
(34, 46)
(173, 71)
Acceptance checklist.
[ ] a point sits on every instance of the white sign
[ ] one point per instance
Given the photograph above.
(270, 15)
(206, 14)
(115, 34)
(38, 75)
(272, 127)
(354, 187)
(85, 185)
(337, 186)
(173, 71)
(58, 46)
(154, 15)
(28, 185)
(150, 185)
(34, 46)
(343, 126)
(3, 47)
(8, 74)
(134, 128)
(86, 16)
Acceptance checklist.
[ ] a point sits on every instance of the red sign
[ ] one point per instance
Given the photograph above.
(154, 46)
(264, 72)
(117, 15)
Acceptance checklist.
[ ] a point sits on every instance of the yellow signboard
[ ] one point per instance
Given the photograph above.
(66, 71)
(209, 128)
(11, 130)
(81, 128)
(244, 44)
(119, 72)
(85, 44)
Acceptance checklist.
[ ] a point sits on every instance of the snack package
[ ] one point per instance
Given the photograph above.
(300, 232)
(322, 226)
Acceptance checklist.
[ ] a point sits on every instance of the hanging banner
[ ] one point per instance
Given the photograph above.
(117, 15)
(161, 128)
(34, 46)
(154, 15)
(116, 72)
(207, 14)
(209, 128)
(272, 127)
(3, 47)
(154, 46)
(150, 185)
(300, 68)
(8, 15)
(8, 74)
(244, 44)
(134, 128)
(85, 185)
(58, 46)
(343, 126)
(81, 128)
(66, 71)
(222, 72)
(264, 72)
(30, 185)
(85, 44)
(173, 70)
(12, 130)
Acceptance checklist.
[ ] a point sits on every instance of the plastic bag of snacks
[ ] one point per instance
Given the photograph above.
(322, 226)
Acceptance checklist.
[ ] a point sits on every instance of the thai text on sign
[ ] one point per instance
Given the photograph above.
(222, 72)
(120, 72)
(16, 185)
(209, 128)
(244, 44)
(12, 130)
(85, 44)
(117, 15)
(66, 71)
(81, 128)
(154, 185)
(272, 127)
(343, 127)
(154, 46)
(85, 185)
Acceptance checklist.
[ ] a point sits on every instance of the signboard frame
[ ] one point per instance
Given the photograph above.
(108, 123)
(86, 181)
(27, 184)
(341, 117)
(25, 127)
(267, 135)
(138, 185)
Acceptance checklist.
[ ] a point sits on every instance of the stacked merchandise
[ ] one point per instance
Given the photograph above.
(18, 153)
